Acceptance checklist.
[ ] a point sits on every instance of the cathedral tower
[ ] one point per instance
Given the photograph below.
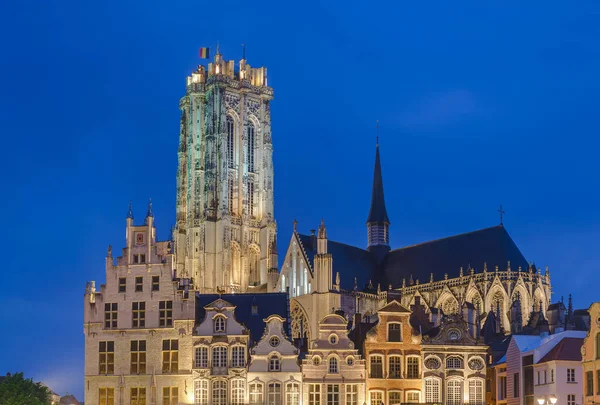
(225, 219)
(378, 222)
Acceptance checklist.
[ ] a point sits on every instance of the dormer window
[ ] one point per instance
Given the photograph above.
(274, 364)
(219, 324)
(394, 332)
(333, 365)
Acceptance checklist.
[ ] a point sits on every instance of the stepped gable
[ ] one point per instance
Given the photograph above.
(265, 306)
(349, 261)
(493, 246)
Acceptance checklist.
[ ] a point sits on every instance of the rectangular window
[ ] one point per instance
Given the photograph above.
(394, 332)
(170, 356)
(139, 284)
(376, 367)
(432, 390)
(138, 314)
(136, 259)
(142, 258)
(201, 392)
(571, 399)
(412, 367)
(351, 394)
(454, 392)
(545, 376)
(376, 397)
(516, 385)
(155, 283)
(170, 396)
(538, 378)
(552, 375)
(110, 315)
(201, 357)
(238, 356)
(219, 393)
(589, 383)
(333, 394)
(476, 392)
(219, 356)
(107, 396)
(256, 394)
(237, 392)
(106, 357)
(314, 394)
(138, 357)
(138, 396)
(165, 313)
(502, 388)
(570, 375)
(122, 284)
(274, 394)
(598, 382)
(395, 398)
(395, 367)
(412, 397)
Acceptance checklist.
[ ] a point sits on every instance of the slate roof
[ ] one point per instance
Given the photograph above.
(567, 349)
(526, 343)
(492, 246)
(377, 212)
(349, 261)
(266, 305)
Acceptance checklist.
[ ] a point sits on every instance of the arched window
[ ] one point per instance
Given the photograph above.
(476, 392)
(256, 394)
(454, 362)
(201, 392)
(598, 345)
(238, 356)
(333, 365)
(219, 324)
(251, 144)
(236, 267)
(253, 264)
(274, 363)
(292, 394)
(274, 393)
(219, 356)
(219, 392)
(230, 142)
(432, 390)
(201, 357)
(454, 395)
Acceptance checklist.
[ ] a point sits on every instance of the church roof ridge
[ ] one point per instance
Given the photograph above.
(449, 237)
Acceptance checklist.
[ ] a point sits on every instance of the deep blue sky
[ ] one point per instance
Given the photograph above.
(481, 103)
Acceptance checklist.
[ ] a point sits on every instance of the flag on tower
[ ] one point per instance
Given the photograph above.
(204, 53)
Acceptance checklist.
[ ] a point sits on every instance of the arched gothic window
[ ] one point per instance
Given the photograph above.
(333, 365)
(253, 264)
(236, 266)
(251, 144)
(230, 142)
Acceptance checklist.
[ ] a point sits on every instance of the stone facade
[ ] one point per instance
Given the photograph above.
(274, 373)
(392, 350)
(138, 326)
(225, 228)
(334, 372)
(590, 352)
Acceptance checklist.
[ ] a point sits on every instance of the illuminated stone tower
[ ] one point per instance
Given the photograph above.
(225, 219)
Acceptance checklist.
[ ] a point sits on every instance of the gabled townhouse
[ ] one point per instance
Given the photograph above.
(590, 352)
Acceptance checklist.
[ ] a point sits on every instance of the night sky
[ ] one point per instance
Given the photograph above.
(481, 103)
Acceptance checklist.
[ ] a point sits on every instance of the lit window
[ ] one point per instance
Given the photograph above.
(138, 314)
(274, 364)
(106, 358)
(292, 394)
(201, 392)
(394, 333)
(110, 315)
(274, 394)
(165, 313)
(201, 357)
(219, 324)
(138, 357)
(170, 356)
(170, 396)
(333, 365)
(256, 394)
(138, 396)
(107, 396)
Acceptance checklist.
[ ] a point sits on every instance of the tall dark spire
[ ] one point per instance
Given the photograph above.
(377, 213)
(378, 222)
